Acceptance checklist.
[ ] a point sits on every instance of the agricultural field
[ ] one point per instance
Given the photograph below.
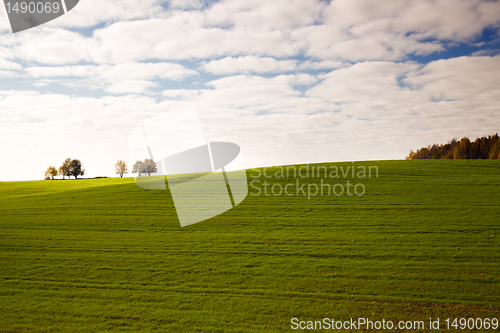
(103, 255)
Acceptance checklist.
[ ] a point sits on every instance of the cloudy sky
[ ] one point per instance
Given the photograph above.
(290, 81)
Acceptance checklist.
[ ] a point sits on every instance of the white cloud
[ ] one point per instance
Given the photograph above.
(302, 79)
(183, 93)
(254, 92)
(357, 30)
(8, 74)
(186, 4)
(9, 69)
(463, 78)
(370, 110)
(410, 105)
(247, 65)
(79, 71)
(51, 46)
(259, 95)
(182, 37)
(343, 30)
(43, 83)
(5, 64)
(130, 86)
(265, 15)
(337, 42)
(487, 52)
(368, 82)
(441, 19)
(164, 70)
(122, 78)
(89, 13)
(317, 65)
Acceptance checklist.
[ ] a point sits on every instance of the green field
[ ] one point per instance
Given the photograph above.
(105, 255)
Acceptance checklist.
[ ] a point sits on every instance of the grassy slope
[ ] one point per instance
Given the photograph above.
(105, 255)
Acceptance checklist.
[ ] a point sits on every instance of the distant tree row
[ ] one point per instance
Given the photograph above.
(74, 168)
(68, 168)
(482, 148)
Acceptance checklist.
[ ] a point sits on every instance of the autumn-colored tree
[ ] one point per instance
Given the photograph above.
(64, 168)
(121, 168)
(475, 149)
(481, 148)
(485, 153)
(462, 150)
(51, 172)
(449, 148)
(412, 155)
(495, 151)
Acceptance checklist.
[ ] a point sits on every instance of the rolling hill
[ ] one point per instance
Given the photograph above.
(105, 255)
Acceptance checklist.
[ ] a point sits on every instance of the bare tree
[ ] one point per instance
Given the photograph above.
(121, 168)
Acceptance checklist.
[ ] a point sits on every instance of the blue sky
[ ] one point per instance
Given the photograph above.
(290, 81)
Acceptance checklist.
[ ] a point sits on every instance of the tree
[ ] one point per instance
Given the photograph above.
(411, 156)
(121, 168)
(462, 150)
(138, 168)
(51, 172)
(61, 172)
(481, 148)
(495, 151)
(64, 168)
(448, 149)
(475, 149)
(149, 166)
(75, 168)
(485, 152)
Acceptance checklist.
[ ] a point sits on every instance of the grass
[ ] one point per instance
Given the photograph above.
(107, 256)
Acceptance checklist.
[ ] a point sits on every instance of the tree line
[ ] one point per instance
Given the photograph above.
(68, 168)
(482, 148)
(74, 168)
